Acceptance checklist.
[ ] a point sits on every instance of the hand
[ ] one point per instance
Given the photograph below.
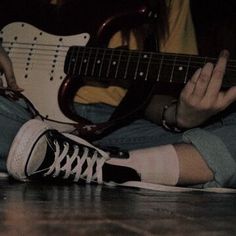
(7, 68)
(202, 98)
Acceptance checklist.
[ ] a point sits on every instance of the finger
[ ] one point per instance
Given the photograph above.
(9, 74)
(6, 65)
(203, 81)
(1, 82)
(7, 68)
(189, 87)
(228, 97)
(218, 75)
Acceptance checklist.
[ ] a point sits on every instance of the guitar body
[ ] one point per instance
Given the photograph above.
(38, 61)
(38, 57)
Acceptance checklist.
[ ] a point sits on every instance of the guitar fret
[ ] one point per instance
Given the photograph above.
(113, 70)
(127, 65)
(143, 66)
(180, 73)
(81, 61)
(172, 71)
(97, 58)
(87, 61)
(109, 64)
(137, 67)
(84, 62)
(76, 61)
(94, 63)
(117, 67)
(71, 61)
(148, 66)
(123, 63)
(102, 62)
(160, 68)
(132, 67)
(187, 71)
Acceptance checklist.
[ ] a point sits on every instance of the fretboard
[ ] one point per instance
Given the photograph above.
(119, 64)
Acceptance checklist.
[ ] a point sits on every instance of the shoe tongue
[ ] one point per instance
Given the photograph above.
(38, 155)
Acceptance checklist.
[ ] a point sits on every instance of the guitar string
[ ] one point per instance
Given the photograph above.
(135, 56)
(95, 48)
(56, 49)
(41, 61)
(60, 59)
(180, 65)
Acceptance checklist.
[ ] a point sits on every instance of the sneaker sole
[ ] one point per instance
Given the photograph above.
(165, 188)
(21, 147)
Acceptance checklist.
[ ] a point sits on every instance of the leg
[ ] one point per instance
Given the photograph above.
(168, 165)
(40, 152)
(200, 151)
(193, 170)
(13, 114)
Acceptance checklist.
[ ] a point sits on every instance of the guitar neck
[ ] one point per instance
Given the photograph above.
(118, 64)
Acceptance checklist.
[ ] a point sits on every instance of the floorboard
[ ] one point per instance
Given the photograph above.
(46, 209)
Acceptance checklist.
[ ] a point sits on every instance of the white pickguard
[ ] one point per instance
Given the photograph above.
(38, 61)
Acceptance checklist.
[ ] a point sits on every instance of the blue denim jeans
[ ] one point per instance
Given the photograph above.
(13, 114)
(216, 142)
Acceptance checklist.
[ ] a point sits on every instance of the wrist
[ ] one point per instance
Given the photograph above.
(169, 115)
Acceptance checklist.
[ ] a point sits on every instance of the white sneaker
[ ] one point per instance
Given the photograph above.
(41, 152)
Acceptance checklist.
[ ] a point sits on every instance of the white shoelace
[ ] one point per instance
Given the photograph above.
(87, 174)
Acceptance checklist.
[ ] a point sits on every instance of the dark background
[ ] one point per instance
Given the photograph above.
(214, 20)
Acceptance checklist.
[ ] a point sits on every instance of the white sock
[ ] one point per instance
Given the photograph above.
(158, 165)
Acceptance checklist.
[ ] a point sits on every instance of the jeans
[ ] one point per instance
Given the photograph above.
(216, 142)
(13, 114)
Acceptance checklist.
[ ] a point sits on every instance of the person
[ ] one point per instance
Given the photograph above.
(200, 154)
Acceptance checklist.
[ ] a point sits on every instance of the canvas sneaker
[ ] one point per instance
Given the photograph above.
(39, 152)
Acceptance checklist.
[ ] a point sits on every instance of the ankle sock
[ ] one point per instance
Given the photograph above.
(158, 165)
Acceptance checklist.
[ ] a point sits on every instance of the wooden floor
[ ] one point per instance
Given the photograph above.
(37, 209)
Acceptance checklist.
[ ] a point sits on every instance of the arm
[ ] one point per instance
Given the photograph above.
(202, 96)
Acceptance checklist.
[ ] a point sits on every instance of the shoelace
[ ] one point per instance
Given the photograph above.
(76, 171)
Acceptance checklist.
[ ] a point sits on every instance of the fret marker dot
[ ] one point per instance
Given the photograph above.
(114, 63)
(85, 60)
(141, 73)
(180, 68)
(98, 61)
(145, 56)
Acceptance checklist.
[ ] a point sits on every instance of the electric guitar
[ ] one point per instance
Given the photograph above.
(49, 67)
(39, 57)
